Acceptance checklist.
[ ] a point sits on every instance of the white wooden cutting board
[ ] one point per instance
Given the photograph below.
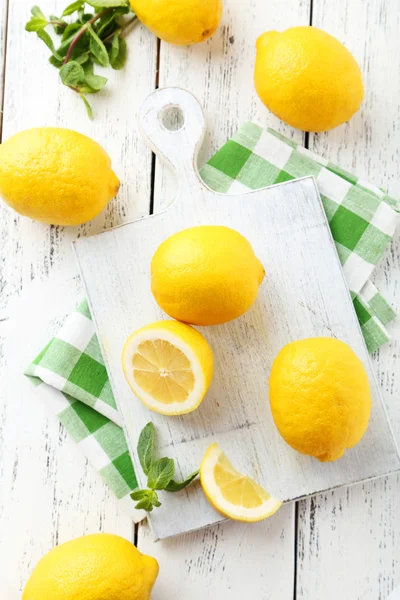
(303, 295)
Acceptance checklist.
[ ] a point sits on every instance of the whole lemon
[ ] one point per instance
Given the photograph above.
(307, 78)
(56, 175)
(179, 21)
(205, 275)
(320, 397)
(93, 567)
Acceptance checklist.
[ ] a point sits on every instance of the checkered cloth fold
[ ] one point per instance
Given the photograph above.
(70, 372)
(71, 377)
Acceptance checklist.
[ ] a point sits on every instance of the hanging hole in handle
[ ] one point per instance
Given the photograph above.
(172, 118)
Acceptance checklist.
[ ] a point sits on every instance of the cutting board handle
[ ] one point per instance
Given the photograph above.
(173, 122)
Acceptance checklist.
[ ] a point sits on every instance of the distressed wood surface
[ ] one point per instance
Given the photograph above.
(48, 494)
(3, 36)
(218, 73)
(356, 533)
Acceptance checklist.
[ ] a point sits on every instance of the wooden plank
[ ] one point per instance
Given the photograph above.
(3, 36)
(48, 492)
(225, 560)
(357, 531)
(219, 73)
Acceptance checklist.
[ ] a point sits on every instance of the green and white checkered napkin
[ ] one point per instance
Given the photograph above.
(71, 371)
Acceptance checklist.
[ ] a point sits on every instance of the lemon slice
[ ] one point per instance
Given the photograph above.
(234, 495)
(169, 366)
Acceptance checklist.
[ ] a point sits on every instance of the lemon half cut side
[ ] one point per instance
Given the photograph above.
(169, 366)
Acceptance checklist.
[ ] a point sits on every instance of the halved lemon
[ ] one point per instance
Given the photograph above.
(169, 366)
(234, 495)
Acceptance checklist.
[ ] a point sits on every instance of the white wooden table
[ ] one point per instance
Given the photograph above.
(344, 544)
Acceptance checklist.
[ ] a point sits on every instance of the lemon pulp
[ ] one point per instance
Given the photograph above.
(231, 493)
(169, 366)
(237, 488)
(163, 371)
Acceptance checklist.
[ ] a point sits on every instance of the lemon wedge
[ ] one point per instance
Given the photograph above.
(169, 366)
(234, 495)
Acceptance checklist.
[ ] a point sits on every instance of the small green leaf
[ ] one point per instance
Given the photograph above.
(36, 12)
(87, 106)
(114, 49)
(177, 486)
(44, 36)
(139, 494)
(82, 59)
(105, 22)
(147, 499)
(71, 29)
(160, 474)
(155, 501)
(107, 3)
(95, 82)
(55, 61)
(36, 24)
(97, 48)
(145, 447)
(144, 504)
(73, 7)
(118, 56)
(72, 74)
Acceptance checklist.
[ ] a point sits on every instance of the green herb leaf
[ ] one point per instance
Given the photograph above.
(145, 447)
(36, 12)
(160, 474)
(104, 24)
(43, 35)
(147, 499)
(82, 59)
(176, 486)
(144, 504)
(139, 494)
(71, 8)
(155, 500)
(70, 29)
(107, 3)
(36, 24)
(95, 82)
(87, 106)
(56, 62)
(118, 53)
(97, 48)
(72, 74)
(114, 48)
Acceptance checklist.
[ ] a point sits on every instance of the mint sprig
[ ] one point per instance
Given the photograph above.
(160, 472)
(91, 37)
